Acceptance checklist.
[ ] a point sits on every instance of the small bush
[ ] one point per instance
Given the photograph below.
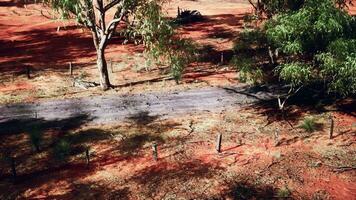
(188, 16)
(283, 192)
(62, 150)
(36, 137)
(309, 124)
(248, 73)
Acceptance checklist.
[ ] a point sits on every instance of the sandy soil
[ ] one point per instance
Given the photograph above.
(30, 39)
(254, 163)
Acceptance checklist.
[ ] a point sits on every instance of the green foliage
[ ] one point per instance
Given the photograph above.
(250, 39)
(283, 192)
(62, 150)
(309, 124)
(36, 137)
(296, 74)
(249, 42)
(309, 29)
(338, 65)
(247, 71)
(272, 7)
(161, 42)
(159, 37)
(144, 23)
(317, 42)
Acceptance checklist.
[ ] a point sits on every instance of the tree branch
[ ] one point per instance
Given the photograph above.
(114, 22)
(252, 4)
(111, 4)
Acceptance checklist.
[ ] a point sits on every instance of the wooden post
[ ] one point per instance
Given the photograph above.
(331, 126)
(218, 143)
(178, 12)
(70, 69)
(13, 167)
(154, 151)
(276, 138)
(222, 58)
(87, 156)
(28, 72)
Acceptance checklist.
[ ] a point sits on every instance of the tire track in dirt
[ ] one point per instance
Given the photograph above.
(107, 109)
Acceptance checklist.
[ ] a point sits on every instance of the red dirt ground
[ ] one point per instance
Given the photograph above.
(28, 38)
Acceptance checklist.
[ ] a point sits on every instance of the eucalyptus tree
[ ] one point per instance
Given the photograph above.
(269, 8)
(310, 46)
(142, 18)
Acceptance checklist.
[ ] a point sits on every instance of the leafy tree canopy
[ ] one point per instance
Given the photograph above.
(316, 44)
(139, 20)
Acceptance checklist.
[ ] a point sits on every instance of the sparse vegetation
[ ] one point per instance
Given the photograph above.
(213, 136)
(309, 124)
(188, 16)
(144, 23)
(316, 44)
(62, 150)
(283, 192)
(36, 137)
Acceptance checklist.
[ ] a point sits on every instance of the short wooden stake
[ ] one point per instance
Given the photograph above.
(276, 138)
(70, 69)
(28, 71)
(87, 157)
(331, 126)
(178, 12)
(218, 143)
(154, 151)
(222, 58)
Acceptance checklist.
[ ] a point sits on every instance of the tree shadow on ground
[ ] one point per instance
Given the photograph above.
(213, 25)
(17, 126)
(38, 46)
(89, 135)
(209, 53)
(174, 178)
(145, 122)
(147, 129)
(94, 191)
(17, 3)
(246, 191)
(17, 144)
(143, 118)
(134, 143)
(34, 49)
(308, 99)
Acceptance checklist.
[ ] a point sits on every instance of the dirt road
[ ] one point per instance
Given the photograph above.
(106, 109)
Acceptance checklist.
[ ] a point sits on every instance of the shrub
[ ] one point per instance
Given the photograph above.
(313, 43)
(309, 124)
(247, 71)
(188, 16)
(62, 150)
(283, 192)
(295, 73)
(36, 137)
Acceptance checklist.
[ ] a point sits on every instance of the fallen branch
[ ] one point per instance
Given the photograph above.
(343, 169)
(159, 79)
